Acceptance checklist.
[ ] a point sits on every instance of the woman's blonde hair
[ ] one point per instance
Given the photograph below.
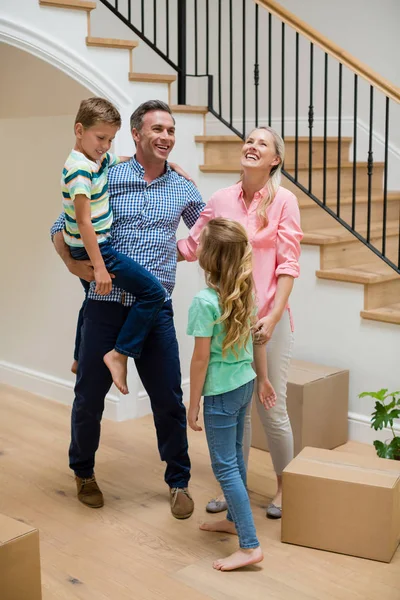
(275, 176)
(225, 254)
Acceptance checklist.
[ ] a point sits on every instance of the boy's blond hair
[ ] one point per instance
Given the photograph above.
(95, 110)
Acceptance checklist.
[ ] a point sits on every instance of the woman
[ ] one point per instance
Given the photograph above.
(271, 217)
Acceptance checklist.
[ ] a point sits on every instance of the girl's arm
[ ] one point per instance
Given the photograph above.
(89, 238)
(265, 391)
(198, 372)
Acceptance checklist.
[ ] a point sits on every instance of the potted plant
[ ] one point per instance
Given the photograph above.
(387, 408)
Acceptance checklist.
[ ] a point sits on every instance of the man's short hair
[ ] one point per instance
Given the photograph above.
(97, 110)
(149, 106)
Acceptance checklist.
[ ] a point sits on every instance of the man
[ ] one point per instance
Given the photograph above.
(148, 200)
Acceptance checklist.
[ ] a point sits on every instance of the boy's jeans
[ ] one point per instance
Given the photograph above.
(224, 424)
(149, 298)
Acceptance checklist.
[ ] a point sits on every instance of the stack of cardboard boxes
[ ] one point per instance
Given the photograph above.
(333, 500)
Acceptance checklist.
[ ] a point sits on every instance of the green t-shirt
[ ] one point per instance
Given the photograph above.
(227, 373)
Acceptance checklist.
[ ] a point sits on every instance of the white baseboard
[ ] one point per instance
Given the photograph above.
(360, 430)
(117, 408)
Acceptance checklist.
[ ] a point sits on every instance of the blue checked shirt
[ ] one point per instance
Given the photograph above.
(145, 219)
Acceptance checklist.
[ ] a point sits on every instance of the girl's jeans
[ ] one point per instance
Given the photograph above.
(224, 416)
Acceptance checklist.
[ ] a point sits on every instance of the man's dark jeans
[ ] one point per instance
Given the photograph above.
(159, 371)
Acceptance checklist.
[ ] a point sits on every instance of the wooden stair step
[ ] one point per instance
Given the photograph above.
(386, 314)
(368, 273)
(186, 108)
(73, 4)
(235, 139)
(345, 199)
(338, 234)
(235, 168)
(152, 77)
(111, 43)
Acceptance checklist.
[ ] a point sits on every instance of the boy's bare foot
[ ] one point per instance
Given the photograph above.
(118, 365)
(74, 367)
(241, 558)
(225, 526)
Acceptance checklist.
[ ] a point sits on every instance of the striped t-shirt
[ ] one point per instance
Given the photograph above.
(89, 178)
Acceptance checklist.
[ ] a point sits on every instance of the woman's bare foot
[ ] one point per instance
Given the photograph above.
(241, 558)
(225, 526)
(118, 365)
(277, 500)
(74, 367)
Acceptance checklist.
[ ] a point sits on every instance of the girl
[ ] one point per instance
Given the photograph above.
(271, 217)
(220, 319)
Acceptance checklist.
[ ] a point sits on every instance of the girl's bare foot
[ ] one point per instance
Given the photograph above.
(118, 365)
(225, 526)
(74, 367)
(241, 558)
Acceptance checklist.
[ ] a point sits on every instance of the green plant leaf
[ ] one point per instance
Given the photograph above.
(377, 395)
(383, 415)
(395, 447)
(382, 449)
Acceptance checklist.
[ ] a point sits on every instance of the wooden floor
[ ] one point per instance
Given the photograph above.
(133, 549)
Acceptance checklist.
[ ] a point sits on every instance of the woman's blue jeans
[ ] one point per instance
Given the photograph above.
(149, 299)
(224, 424)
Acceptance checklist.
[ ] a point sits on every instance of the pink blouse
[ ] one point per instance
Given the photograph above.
(276, 248)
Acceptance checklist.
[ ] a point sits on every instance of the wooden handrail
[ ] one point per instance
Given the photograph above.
(386, 87)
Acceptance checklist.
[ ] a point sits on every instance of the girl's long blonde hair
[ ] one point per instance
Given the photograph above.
(275, 176)
(225, 254)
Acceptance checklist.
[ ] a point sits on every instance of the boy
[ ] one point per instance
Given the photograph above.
(88, 220)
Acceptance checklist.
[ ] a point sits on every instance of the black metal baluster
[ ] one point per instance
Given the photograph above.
(244, 66)
(296, 110)
(370, 164)
(339, 153)
(256, 68)
(385, 178)
(310, 117)
(167, 25)
(155, 21)
(116, 4)
(181, 27)
(142, 13)
(207, 38)
(230, 63)
(129, 11)
(283, 84)
(325, 128)
(269, 69)
(219, 58)
(195, 40)
(354, 205)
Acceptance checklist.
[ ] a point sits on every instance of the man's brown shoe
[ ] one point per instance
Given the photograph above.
(89, 492)
(182, 505)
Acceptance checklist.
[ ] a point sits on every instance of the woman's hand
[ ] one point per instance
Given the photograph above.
(266, 393)
(193, 416)
(181, 172)
(264, 328)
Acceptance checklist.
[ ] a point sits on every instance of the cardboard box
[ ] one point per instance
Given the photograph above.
(342, 502)
(19, 561)
(317, 402)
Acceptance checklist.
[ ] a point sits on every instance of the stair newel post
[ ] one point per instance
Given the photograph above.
(181, 15)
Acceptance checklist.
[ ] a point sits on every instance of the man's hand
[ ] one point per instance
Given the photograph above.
(193, 416)
(81, 268)
(181, 172)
